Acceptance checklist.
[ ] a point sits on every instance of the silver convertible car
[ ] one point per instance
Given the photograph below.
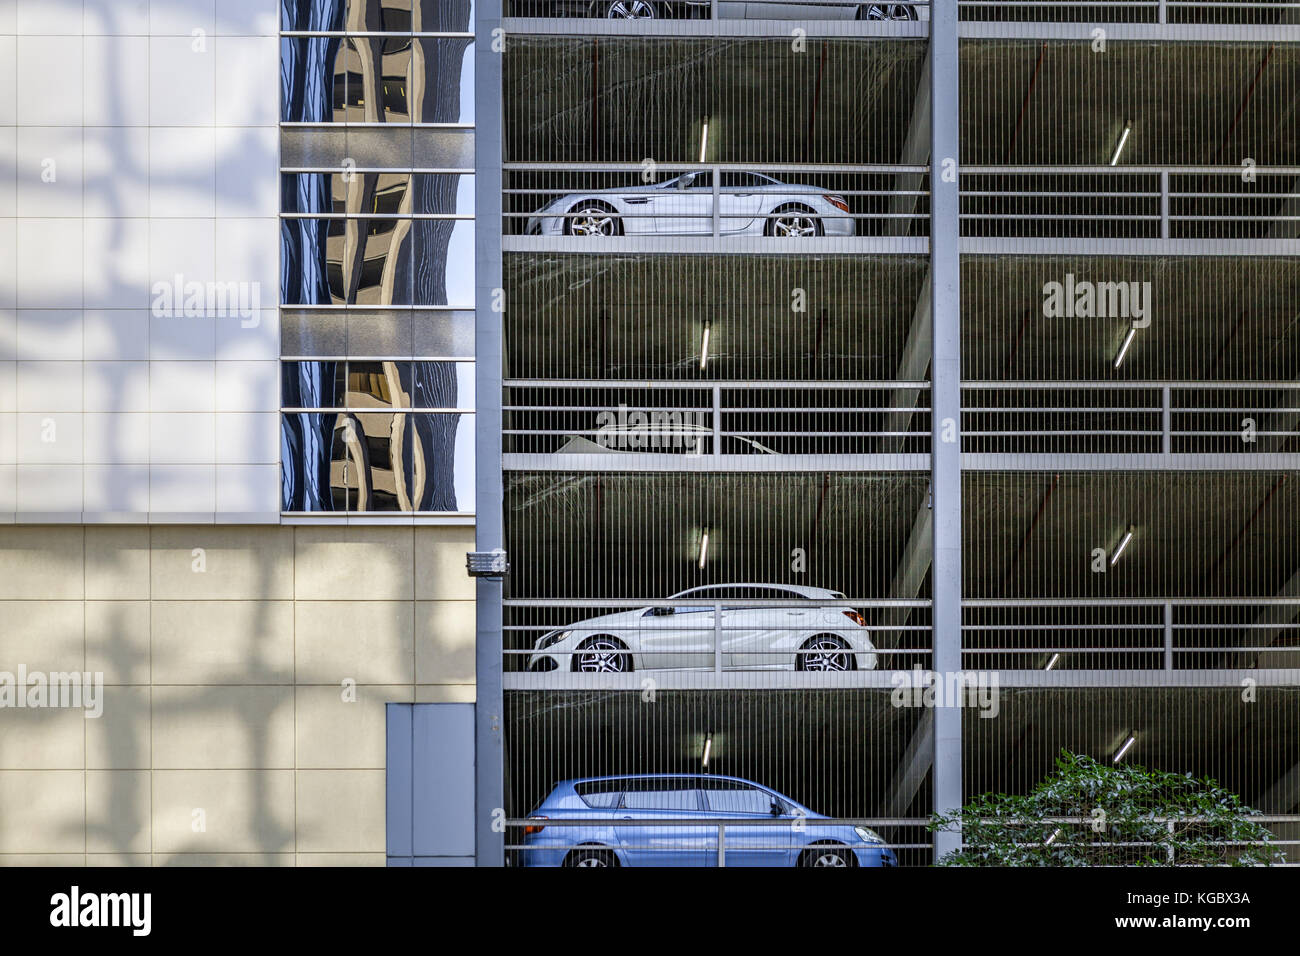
(749, 204)
(800, 633)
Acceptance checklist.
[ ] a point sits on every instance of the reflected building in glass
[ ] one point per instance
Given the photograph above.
(377, 246)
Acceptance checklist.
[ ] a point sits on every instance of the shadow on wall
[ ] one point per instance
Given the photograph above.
(129, 253)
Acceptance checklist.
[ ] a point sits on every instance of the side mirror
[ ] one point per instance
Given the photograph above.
(661, 611)
(684, 180)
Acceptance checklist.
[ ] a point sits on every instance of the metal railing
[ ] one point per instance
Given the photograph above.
(998, 634)
(1136, 417)
(1131, 11)
(704, 841)
(895, 644)
(1167, 634)
(705, 838)
(997, 201)
(1131, 202)
(714, 418)
(702, 418)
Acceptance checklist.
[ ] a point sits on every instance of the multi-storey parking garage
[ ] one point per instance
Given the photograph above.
(835, 342)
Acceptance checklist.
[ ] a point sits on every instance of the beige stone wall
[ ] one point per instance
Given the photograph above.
(224, 686)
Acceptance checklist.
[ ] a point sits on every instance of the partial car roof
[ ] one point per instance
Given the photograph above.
(824, 594)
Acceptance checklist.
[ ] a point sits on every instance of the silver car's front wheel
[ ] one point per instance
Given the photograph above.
(886, 11)
(794, 222)
(824, 654)
(603, 655)
(592, 219)
(630, 10)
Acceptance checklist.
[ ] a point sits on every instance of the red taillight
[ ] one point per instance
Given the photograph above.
(839, 202)
(856, 618)
(534, 828)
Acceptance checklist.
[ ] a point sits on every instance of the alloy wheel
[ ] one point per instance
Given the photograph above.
(600, 656)
(794, 225)
(630, 10)
(824, 654)
(593, 221)
(886, 11)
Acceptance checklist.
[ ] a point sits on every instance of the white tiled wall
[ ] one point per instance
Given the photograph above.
(138, 142)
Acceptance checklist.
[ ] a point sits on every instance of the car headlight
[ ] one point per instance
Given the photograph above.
(553, 638)
(868, 835)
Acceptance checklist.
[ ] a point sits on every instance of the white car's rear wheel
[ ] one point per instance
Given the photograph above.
(592, 219)
(794, 221)
(602, 655)
(824, 653)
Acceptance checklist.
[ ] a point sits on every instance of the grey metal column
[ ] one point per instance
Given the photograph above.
(945, 371)
(488, 311)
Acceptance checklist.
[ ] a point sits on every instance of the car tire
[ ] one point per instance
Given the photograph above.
(582, 857)
(592, 218)
(631, 10)
(830, 854)
(793, 219)
(825, 653)
(886, 11)
(596, 655)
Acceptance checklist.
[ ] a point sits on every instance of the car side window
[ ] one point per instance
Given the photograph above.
(661, 800)
(602, 799)
(733, 180)
(739, 800)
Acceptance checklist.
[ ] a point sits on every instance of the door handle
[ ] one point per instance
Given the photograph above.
(743, 195)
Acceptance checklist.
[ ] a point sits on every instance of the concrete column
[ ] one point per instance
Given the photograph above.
(945, 463)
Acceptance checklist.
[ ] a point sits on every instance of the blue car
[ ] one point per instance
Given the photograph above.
(803, 840)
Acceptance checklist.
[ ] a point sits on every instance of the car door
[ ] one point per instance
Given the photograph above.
(738, 201)
(744, 625)
(796, 10)
(680, 636)
(686, 210)
(640, 209)
(664, 799)
(735, 802)
(754, 631)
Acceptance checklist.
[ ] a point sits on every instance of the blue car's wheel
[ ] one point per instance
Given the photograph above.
(829, 855)
(591, 858)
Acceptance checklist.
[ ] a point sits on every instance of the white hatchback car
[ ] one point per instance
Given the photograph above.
(811, 629)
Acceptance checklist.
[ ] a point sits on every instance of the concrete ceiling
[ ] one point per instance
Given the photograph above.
(1189, 103)
(650, 95)
(1234, 319)
(1196, 534)
(641, 317)
(638, 535)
